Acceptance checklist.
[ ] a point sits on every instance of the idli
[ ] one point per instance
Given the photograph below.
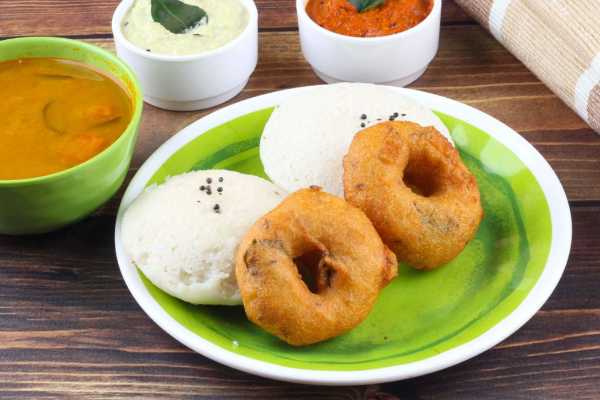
(307, 136)
(183, 233)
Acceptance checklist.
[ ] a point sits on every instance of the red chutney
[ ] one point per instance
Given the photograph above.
(393, 16)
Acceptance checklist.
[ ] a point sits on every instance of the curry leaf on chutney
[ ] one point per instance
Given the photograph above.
(364, 5)
(176, 16)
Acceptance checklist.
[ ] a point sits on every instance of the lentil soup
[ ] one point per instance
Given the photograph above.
(56, 114)
(393, 16)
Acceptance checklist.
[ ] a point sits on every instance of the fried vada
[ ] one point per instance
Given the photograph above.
(414, 187)
(312, 268)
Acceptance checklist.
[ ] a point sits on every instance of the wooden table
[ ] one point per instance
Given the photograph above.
(70, 329)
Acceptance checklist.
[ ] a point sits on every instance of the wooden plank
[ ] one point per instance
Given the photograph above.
(83, 17)
(471, 67)
(70, 329)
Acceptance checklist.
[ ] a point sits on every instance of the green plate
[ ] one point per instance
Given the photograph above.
(420, 315)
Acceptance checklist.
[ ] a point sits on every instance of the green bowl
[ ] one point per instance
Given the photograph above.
(46, 203)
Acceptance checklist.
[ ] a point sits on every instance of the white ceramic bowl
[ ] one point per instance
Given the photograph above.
(191, 82)
(397, 59)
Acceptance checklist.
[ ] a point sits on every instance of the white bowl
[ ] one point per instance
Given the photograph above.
(191, 82)
(397, 59)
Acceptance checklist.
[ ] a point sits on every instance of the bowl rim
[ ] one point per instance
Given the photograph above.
(119, 37)
(374, 40)
(130, 129)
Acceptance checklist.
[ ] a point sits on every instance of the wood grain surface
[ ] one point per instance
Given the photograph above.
(69, 329)
(84, 17)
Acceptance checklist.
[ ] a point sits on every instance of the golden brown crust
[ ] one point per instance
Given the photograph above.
(414, 187)
(351, 265)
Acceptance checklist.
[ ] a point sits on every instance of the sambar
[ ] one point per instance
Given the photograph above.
(57, 113)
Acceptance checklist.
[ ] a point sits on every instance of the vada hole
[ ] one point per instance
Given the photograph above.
(309, 265)
(422, 176)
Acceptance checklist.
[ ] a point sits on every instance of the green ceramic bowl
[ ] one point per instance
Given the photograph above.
(46, 203)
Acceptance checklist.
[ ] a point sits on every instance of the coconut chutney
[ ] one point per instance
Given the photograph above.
(226, 20)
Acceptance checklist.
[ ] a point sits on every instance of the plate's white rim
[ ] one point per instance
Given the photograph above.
(553, 270)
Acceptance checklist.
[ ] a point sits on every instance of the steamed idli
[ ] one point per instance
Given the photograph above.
(183, 233)
(307, 136)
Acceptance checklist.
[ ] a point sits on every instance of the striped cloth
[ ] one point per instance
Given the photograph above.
(559, 40)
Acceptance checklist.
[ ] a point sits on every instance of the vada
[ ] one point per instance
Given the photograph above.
(312, 268)
(414, 187)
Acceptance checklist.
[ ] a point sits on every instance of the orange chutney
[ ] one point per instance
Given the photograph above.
(55, 114)
(391, 17)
